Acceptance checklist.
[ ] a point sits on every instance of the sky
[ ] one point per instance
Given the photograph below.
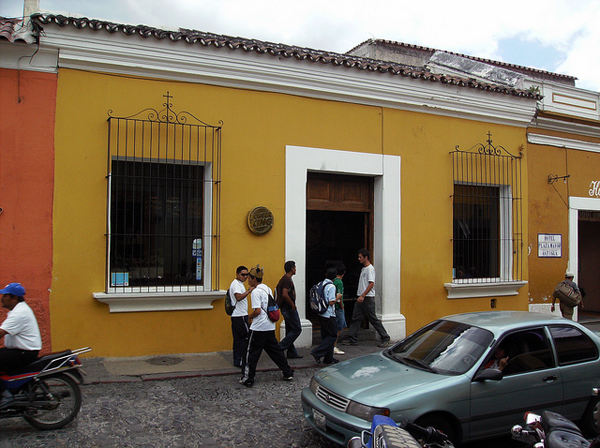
(561, 36)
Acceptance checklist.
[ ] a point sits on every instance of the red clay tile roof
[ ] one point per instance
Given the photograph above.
(9, 29)
(277, 50)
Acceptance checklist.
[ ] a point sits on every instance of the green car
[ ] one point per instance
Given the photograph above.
(444, 375)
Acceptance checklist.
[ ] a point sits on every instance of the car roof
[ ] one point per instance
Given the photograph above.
(500, 321)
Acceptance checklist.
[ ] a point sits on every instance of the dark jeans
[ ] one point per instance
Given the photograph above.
(293, 328)
(366, 308)
(14, 358)
(240, 330)
(257, 342)
(328, 338)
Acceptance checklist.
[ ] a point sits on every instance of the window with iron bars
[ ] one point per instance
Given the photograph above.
(163, 203)
(156, 224)
(487, 216)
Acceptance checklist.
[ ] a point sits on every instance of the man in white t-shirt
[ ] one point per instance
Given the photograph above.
(22, 339)
(239, 317)
(365, 303)
(262, 332)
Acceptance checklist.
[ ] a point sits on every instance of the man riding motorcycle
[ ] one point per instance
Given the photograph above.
(21, 333)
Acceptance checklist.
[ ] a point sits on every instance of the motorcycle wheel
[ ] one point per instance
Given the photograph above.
(56, 402)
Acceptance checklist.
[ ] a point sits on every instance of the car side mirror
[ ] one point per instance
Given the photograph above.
(489, 374)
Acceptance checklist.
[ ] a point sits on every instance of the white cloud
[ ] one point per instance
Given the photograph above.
(569, 27)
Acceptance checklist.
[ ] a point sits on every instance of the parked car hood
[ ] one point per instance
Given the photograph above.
(376, 378)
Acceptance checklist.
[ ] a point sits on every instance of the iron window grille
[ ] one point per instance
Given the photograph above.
(163, 202)
(487, 215)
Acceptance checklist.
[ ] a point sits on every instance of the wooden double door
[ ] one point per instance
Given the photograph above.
(339, 222)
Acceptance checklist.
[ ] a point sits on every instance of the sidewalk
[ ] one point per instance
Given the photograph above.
(149, 368)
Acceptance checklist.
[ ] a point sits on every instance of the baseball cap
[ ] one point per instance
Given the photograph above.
(569, 275)
(16, 289)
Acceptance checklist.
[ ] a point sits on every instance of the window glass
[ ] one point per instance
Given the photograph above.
(443, 347)
(155, 224)
(526, 351)
(572, 345)
(476, 231)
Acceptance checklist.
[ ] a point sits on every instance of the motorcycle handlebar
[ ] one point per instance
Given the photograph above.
(429, 434)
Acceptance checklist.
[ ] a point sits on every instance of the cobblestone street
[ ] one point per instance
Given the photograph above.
(212, 411)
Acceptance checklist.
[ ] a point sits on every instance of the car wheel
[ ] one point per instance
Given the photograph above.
(440, 423)
(590, 422)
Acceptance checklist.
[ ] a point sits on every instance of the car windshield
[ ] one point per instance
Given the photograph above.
(443, 347)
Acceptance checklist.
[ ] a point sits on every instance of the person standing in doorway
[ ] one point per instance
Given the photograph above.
(262, 332)
(286, 299)
(327, 320)
(239, 318)
(340, 316)
(365, 303)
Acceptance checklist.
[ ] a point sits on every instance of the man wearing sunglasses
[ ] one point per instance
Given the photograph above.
(239, 317)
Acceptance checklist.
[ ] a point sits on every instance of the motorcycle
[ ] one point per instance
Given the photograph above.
(551, 430)
(46, 393)
(385, 432)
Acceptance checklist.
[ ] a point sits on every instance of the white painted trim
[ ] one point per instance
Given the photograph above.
(552, 124)
(386, 171)
(471, 290)
(179, 61)
(163, 301)
(560, 142)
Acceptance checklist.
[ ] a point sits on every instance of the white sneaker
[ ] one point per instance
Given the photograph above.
(337, 351)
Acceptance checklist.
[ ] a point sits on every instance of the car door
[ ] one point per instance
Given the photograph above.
(531, 382)
(578, 362)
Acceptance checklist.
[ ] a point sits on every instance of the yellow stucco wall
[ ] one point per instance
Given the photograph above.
(548, 205)
(257, 128)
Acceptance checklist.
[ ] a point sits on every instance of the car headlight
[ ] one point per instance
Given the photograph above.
(314, 385)
(365, 412)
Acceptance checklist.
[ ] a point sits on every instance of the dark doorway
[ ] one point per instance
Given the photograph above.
(589, 259)
(339, 222)
(333, 238)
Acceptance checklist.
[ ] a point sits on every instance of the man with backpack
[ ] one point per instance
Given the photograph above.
(238, 295)
(327, 292)
(262, 331)
(286, 299)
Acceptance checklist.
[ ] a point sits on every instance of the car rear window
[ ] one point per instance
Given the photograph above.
(444, 347)
(572, 345)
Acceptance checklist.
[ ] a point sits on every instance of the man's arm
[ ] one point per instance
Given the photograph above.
(242, 295)
(3, 333)
(370, 286)
(286, 296)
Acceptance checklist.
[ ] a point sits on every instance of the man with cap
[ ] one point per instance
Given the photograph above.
(566, 309)
(22, 339)
(262, 332)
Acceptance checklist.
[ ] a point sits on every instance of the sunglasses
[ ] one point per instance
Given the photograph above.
(244, 275)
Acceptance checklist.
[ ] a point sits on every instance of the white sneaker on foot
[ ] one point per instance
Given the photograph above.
(337, 351)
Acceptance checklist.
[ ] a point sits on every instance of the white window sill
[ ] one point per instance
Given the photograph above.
(470, 290)
(158, 301)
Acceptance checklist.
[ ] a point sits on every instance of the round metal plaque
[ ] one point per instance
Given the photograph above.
(260, 220)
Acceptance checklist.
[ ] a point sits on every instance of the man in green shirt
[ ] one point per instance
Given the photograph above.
(340, 318)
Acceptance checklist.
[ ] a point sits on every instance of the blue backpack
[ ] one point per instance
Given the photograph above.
(317, 300)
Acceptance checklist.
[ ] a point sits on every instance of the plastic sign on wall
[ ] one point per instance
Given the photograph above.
(549, 245)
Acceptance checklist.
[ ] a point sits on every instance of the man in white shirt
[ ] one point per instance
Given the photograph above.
(239, 318)
(22, 339)
(262, 332)
(365, 303)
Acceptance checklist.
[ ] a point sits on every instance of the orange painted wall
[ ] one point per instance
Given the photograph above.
(26, 187)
